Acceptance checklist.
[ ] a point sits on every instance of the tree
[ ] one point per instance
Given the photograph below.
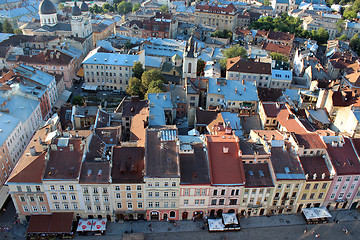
(222, 34)
(278, 56)
(321, 36)
(200, 67)
(136, 7)
(106, 7)
(7, 28)
(124, 7)
(138, 70)
(1, 27)
(234, 51)
(158, 84)
(18, 31)
(149, 76)
(134, 88)
(267, 3)
(340, 25)
(164, 9)
(343, 37)
(61, 6)
(355, 43)
(95, 9)
(349, 14)
(78, 100)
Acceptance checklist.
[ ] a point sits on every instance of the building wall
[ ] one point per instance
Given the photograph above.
(193, 199)
(255, 201)
(221, 21)
(5, 163)
(313, 193)
(225, 198)
(262, 80)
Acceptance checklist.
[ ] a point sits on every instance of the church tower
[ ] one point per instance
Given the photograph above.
(190, 58)
(48, 14)
(80, 21)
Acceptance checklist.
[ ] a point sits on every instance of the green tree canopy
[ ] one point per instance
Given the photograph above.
(18, 31)
(278, 56)
(95, 9)
(321, 35)
(106, 7)
(150, 76)
(138, 70)
(7, 28)
(200, 67)
(124, 7)
(343, 37)
(234, 51)
(164, 9)
(159, 84)
(267, 3)
(136, 7)
(134, 87)
(222, 34)
(355, 43)
(340, 25)
(78, 100)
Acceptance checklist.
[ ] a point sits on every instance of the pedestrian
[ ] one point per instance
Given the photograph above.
(151, 229)
(317, 235)
(194, 219)
(305, 231)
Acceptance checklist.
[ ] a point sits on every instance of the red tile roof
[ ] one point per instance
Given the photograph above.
(344, 159)
(237, 64)
(310, 140)
(272, 47)
(215, 9)
(226, 167)
(281, 36)
(312, 165)
(289, 121)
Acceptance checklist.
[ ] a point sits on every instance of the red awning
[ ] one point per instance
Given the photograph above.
(51, 223)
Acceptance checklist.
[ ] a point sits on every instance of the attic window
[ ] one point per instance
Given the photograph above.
(287, 170)
(251, 173)
(225, 150)
(261, 173)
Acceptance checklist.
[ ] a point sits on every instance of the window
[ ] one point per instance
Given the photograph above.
(321, 195)
(139, 195)
(186, 201)
(107, 208)
(173, 194)
(26, 209)
(73, 197)
(297, 185)
(172, 214)
(62, 188)
(279, 186)
(150, 204)
(32, 199)
(202, 201)
(98, 208)
(312, 196)
(166, 194)
(96, 198)
(339, 179)
(117, 188)
(95, 190)
(356, 178)
(43, 208)
(173, 204)
(66, 206)
(215, 192)
(186, 192)
(129, 205)
(118, 195)
(203, 192)
(341, 195)
(71, 187)
(288, 186)
(316, 185)
(19, 189)
(303, 196)
(138, 187)
(118, 205)
(157, 204)
(128, 195)
(57, 206)
(197, 201)
(344, 186)
(128, 188)
(37, 188)
(223, 192)
(221, 201)
(28, 188)
(140, 205)
(352, 186)
(307, 186)
(63, 197)
(348, 179)
(213, 201)
(150, 194)
(105, 190)
(197, 192)
(324, 186)
(106, 199)
(336, 187)
(86, 190)
(348, 195)
(156, 184)
(173, 184)
(54, 196)
(87, 199)
(22, 199)
(233, 202)
(332, 196)
(156, 194)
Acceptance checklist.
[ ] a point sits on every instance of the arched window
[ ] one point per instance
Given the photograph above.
(189, 68)
(172, 214)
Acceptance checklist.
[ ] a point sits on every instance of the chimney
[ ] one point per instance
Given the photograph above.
(225, 150)
(32, 151)
(307, 176)
(323, 176)
(53, 147)
(235, 90)
(314, 176)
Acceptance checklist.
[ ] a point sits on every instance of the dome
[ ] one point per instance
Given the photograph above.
(75, 11)
(84, 7)
(47, 7)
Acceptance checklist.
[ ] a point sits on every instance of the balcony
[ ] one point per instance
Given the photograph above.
(285, 198)
(254, 205)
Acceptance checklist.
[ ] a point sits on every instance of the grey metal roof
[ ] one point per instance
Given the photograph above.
(47, 7)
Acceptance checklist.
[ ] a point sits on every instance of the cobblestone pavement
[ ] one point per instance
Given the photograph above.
(274, 227)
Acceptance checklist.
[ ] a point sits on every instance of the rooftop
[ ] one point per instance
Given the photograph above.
(161, 156)
(95, 173)
(226, 167)
(272, 109)
(310, 141)
(315, 165)
(258, 175)
(237, 64)
(194, 167)
(128, 164)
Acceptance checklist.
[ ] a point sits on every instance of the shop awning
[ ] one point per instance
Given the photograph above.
(91, 225)
(84, 225)
(80, 73)
(316, 213)
(56, 223)
(89, 87)
(215, 225)
(230, 218)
